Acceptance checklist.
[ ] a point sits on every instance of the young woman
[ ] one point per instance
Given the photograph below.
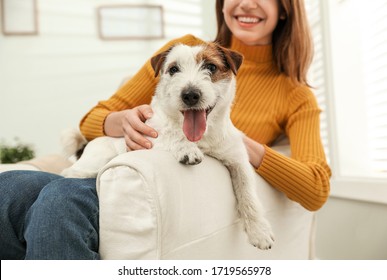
(45, 216)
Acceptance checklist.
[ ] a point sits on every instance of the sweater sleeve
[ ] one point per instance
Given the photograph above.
(137, 91)
(304, 177)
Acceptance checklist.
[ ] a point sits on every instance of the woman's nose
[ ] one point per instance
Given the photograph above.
(248, 4)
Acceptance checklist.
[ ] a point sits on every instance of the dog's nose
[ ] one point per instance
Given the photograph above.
(191, 97)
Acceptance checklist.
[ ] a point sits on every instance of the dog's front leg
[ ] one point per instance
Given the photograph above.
(249, 207)
(232, 152)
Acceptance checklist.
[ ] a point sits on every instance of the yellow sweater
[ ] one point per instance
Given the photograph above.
(267, 105)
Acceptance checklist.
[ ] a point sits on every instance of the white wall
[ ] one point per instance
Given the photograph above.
(351, 230)
(49, 82)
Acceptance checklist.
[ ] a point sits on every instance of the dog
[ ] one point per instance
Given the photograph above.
(191, 112)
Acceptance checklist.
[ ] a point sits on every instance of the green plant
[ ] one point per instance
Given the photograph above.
(15, 153)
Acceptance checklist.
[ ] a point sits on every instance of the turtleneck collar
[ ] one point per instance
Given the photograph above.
(258, 54)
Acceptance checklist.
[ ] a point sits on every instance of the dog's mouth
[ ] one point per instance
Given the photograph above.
(195, 123)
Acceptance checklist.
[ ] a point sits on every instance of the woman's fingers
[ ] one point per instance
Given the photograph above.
(135, 129)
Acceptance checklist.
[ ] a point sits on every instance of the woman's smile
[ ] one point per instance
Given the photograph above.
(248, 21)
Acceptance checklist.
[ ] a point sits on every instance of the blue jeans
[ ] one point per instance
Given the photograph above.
(46, 216)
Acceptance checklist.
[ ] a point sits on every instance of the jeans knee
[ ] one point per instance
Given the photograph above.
(23, 187)
(66, 195)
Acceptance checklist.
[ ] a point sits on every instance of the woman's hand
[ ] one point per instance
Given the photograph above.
(255, 151)
(130, 124)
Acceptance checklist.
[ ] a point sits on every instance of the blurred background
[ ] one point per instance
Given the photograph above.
(59, 58)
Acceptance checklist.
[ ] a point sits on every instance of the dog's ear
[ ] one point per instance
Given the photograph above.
(233, 59)
(158, 60)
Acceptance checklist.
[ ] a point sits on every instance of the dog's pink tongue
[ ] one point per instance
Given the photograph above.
(194, 124)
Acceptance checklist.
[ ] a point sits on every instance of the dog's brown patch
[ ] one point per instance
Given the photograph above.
(227, 62)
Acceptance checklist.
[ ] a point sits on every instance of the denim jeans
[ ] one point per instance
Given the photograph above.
(46, 216)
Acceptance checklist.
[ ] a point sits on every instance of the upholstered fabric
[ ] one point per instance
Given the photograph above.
(152, 207)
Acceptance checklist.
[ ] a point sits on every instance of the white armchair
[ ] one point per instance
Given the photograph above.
(152, 207)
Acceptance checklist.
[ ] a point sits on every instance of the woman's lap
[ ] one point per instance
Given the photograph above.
(46, 216)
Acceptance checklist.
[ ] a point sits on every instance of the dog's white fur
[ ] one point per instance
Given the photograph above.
(221, 139)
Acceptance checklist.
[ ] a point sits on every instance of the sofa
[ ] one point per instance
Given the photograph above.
(152, 207)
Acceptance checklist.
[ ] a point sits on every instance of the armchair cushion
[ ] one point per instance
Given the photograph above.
(152, 207)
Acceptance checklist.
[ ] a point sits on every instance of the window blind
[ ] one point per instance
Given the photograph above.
(375, 81)
(316, 73)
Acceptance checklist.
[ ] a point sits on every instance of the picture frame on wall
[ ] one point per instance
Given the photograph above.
(130, 22)
(19, 17)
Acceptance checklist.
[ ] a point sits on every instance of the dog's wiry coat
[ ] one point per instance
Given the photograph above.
(191, 112)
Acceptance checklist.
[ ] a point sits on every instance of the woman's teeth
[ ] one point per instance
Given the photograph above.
(248, 19)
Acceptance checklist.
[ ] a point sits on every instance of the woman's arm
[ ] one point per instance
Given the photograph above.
(305, 176)
(108, 116)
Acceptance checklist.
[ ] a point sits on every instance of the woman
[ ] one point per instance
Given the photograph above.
(45, 216)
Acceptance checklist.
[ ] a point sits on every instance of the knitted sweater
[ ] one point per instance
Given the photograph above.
(267, 105)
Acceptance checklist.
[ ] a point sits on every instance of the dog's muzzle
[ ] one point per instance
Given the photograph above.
(195, 119)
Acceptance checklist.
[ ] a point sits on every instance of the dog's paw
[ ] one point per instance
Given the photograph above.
(192, 157)
(262, 236)
(263, 242)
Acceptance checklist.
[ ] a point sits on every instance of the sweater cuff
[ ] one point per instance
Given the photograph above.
(268, 164)
(94, 127)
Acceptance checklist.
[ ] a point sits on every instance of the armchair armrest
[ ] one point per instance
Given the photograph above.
(152, 207)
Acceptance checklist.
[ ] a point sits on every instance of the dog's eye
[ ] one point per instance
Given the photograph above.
(173, 70)
(211, 67)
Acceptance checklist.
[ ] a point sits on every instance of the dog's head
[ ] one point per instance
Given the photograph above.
(196, 84)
